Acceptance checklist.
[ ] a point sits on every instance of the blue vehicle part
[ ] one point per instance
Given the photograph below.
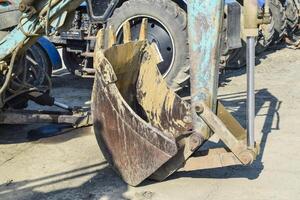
(229, 1)
(83, 4)
(32, 26)
(51, 52)
(204, 48)
(261, 3)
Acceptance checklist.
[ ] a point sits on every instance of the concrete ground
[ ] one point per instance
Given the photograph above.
(70, 165)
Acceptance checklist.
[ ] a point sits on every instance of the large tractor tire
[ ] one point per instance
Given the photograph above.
(167, 28)
(265, 36)
(292, 20)
(279, 17)
(39, 70)
(292, 17)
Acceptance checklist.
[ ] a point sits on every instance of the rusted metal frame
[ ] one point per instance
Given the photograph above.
(79, 119)
(205, 23)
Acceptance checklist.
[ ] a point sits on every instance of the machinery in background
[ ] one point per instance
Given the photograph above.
(167, 29)
(284, 27)
(38, 60)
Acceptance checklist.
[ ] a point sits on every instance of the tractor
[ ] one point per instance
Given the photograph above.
(143, 127)
(167, 21)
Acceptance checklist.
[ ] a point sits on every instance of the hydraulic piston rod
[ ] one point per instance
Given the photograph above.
(251, 30)
(250, 91)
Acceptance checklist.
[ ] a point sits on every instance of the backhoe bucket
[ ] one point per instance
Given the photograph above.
(144, 129)
(137, 119)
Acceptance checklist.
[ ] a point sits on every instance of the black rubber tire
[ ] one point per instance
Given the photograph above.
(292, 17)
(37, 53)
(46, 62)
(72, 61)
(174, 19)
(279, 17)
(236, 58)
(265, 37)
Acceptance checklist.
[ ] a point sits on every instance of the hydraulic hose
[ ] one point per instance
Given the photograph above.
(10, 71)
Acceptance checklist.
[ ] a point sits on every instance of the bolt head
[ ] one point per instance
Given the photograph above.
(199, 109)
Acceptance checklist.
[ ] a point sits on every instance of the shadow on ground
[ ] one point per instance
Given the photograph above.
(44, 133)
(67, 80)
(237, 104)
(104, 183)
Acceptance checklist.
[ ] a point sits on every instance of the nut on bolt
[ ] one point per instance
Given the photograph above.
(188, 119)
(195, 141)
(3, 66)
(247, 157)
(199, 109)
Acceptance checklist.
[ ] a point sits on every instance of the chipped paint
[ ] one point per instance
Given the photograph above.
(205, 20)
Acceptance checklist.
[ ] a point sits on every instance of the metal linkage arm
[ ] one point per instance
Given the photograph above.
(229, 131)
(77, 119)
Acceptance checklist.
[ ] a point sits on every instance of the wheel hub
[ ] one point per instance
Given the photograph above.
(157, 34)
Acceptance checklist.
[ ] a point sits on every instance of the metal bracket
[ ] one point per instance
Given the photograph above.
(229, 131)
(233, 29)
(77, 119)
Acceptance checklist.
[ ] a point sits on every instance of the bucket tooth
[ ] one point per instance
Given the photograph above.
(144, 29)
(100, 40)
(112, 38)
(127, 32)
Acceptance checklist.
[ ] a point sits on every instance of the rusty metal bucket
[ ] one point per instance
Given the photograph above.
(137, 119)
